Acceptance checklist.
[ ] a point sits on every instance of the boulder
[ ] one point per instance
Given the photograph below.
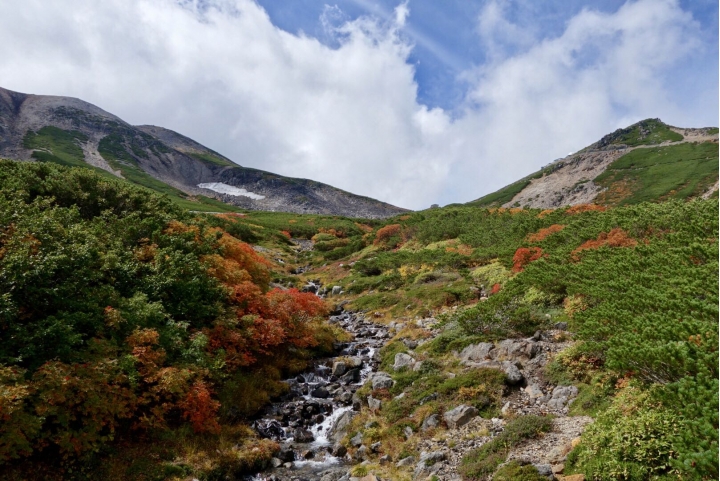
(339, 450)
(339, 428)
(402, 361)
(430, 422)
(339, 368)
(286, 454)
(320, 393)
(336, 290)
(561, 395)
(374, 404)
(356, 440)
(409, 461)
(410, 343)
(381, 380)
(512, 373)
(459, 416)
(303, 436)
(477, 352)
(513, 350)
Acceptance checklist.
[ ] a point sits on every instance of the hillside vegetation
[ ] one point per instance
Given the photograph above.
(125, 317)
(135, 333)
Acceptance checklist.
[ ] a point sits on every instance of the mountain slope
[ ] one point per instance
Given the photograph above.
(647, 161)
(72, 132)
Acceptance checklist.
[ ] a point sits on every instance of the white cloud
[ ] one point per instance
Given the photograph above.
(348, 116)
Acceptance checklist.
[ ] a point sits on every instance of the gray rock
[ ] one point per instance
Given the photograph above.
(561, 326)
(356, 440)
(410, 344)
(477, 352)
(544, 469)
(409, 461)
(430, 422)
(512, 373)
(428, 461)
(374, 404)
(459, 416)
(354, 361)
(276, 463)
(339, 450)
(403, 360)
(510, 349)
(339, 368)
(320, 393)
(336, 290)
(339, 428)
(381, 380)
(386, 459)
(418, 366)
(408, 431)
(533, 391)
(561, 395)
(375, 447)
(361, 453)
(303, 436)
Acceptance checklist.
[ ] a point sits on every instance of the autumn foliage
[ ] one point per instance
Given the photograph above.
(132, 318)
(615, 238)
(524, 256)
(389, 236)
(544, 233)
(580, 208)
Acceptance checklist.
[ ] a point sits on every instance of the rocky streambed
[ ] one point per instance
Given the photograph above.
(310, 420)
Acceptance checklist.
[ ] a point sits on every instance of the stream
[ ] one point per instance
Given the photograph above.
(307, 421)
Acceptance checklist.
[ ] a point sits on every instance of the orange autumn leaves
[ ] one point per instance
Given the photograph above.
(616, 237)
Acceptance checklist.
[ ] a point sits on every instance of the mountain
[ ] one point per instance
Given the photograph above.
(73, 132)
(647, 161)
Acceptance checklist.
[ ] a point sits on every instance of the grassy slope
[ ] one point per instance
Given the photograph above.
(659, 173)
(62, 147)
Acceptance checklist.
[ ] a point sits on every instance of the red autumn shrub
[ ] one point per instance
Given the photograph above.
(385, 234)
(580, 208)
(495, 289)
(524, 256)
(615, 238)
(543, 234)
(201, 409)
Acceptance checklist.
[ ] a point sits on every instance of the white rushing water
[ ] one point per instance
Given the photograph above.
(221, 188)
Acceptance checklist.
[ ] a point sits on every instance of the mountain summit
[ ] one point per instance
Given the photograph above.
(73, 132)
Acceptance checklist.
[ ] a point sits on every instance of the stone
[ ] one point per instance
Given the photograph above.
(408, 431)
(286, 454)
(402, 361)
(276, 463)
(375, 447)
(427, 460)
(356, 440)
(511, 349)
(558, 468)
(477, 352)
(308, 454)
(336, 290)
(381, 380)
(374, 404)
(418, 366)
(561, 326)
(320, 393)
(573, 477)
(361, 453)
(409, 461)
(339, 450)
(459, 416)
(383, 460)
(506, 409)
(339, 428)
(512, 373)
(339, 368)
(544, 469)
(533, 391)
(369, 477)
(354, 361)
(410, 343)
(561, 395)
(303, 436)
(430, 422)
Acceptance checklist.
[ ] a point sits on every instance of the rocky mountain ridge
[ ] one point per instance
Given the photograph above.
(52, 128)
(574, 179)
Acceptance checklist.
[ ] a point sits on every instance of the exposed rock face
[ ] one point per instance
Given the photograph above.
(459, 416)
(403, 360)
(171, 158)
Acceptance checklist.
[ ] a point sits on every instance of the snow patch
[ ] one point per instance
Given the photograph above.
(221, 188)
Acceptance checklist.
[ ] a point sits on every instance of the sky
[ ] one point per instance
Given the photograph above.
(413, 102)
